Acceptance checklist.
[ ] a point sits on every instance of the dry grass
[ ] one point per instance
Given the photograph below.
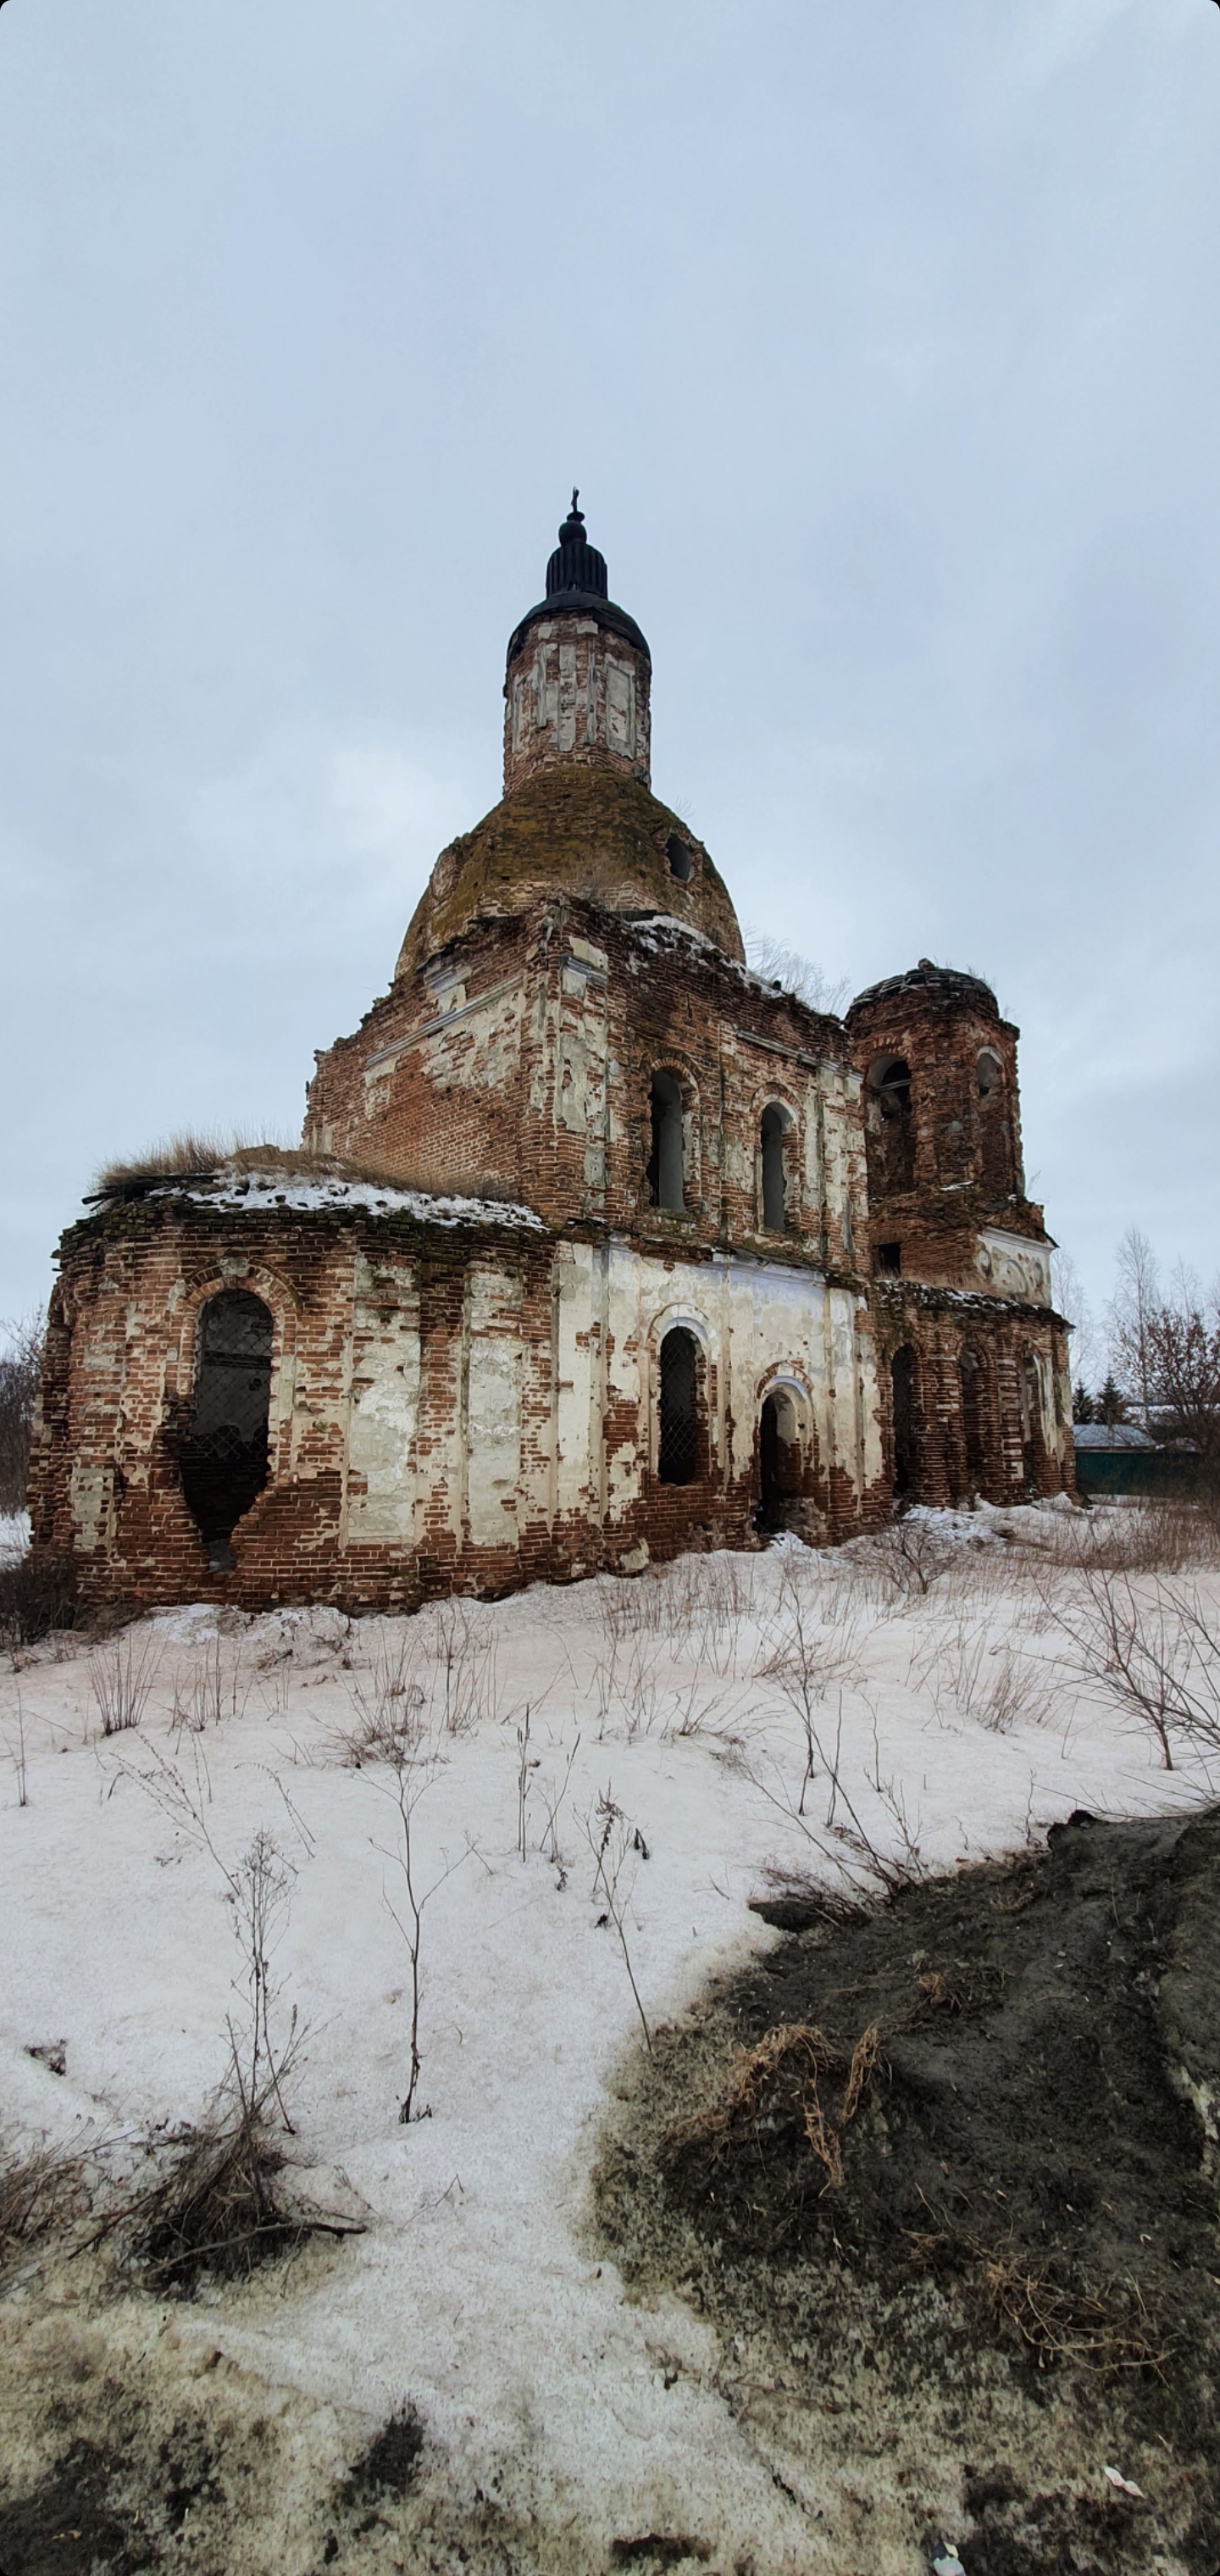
(205, 1157)
(39, 2194)
(801, 2053)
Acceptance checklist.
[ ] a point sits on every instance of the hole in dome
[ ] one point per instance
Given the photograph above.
(681, 864)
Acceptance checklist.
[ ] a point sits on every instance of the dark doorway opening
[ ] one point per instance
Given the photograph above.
(678, 1454)
(902, 1380)
(779, 1463)
(665, 1160)
(224, 1457)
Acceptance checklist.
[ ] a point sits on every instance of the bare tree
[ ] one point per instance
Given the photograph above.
(1183, 1367)
(1070, 1301)
(807, 982)
(1136, 1298)
(20, 1370)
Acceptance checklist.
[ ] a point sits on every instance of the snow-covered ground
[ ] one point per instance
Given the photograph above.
(655, 1732)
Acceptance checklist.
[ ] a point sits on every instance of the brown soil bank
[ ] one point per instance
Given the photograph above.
(945, 2176)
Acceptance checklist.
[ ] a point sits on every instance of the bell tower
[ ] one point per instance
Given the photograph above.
(579, 671)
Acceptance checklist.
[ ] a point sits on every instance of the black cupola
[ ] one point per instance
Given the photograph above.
(577, 585)
(575, 564)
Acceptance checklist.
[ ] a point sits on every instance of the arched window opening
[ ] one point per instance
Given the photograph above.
(995, 1128)
(974, 1425)
(902, 1382)
(890, 1125)
(774, 1176)
(681, 863)
(780, 1462)
(665, 1161)
(678, 1453)
(1033, 1443)
(224, 1456)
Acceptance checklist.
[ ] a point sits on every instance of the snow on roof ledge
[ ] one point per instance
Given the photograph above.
(242, 1189)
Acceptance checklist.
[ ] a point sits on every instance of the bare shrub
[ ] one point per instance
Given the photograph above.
(984, 1678)
(465, 1653)
(808, 1661)
(258, 1889)
(215, 1690)
(613, 1841)
(1163, 1537)
(221, 2203)
(412, 1775)
(37, 1598)
(390, 1703)
(1158, 1658)
(121, 1676)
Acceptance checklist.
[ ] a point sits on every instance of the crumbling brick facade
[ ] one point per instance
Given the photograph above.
(600, 1246)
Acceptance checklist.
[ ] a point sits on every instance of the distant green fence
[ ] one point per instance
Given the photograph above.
(1137, 1471)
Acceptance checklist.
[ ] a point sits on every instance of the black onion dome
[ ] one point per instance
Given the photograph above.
(577, 585)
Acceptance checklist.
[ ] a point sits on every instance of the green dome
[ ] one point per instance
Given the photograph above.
(591, 832)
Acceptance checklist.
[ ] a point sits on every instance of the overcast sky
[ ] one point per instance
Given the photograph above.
(884, 344)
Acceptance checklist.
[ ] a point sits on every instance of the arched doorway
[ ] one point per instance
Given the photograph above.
(224, 1456)
(780, 1462)
(678, 1448)
(902, 1384)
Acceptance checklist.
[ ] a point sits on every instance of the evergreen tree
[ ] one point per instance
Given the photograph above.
(1111, 1404)
(1084, 1406)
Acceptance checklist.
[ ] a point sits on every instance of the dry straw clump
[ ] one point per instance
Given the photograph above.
(795, 2052)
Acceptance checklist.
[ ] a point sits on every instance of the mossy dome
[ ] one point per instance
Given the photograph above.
(587, 831)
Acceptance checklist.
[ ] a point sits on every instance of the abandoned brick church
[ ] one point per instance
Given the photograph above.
(598, 1245)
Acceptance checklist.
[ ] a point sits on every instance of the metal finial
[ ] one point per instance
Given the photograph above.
(575, 499)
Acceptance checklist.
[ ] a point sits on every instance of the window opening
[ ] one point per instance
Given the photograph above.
(902, 1380)
(678, 1456)
(665, 1161)
(974, 1432)
(994, 1131)
(890, 1124)
(681, 864)
(224, 1456)
(1033, 1444)
(774, 1191)
(889, 1258)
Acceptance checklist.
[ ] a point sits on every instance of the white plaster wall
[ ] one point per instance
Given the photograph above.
(384, 1415)
(493, 1406)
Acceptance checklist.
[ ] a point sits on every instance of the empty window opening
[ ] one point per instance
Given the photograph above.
(890, 1126)
(681, 864)
(678, 1454)
(1031, 1414)
(997, 1160)
(974, 1420)
(665, 1160)
(224, 1456)
(889, 1258)
(780, 1463)
(774, 1176)
(902, 1381)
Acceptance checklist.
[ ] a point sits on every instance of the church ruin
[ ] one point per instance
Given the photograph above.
(599, 1246)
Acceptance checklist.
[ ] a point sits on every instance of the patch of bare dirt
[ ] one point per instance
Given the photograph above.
(945, 2175)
